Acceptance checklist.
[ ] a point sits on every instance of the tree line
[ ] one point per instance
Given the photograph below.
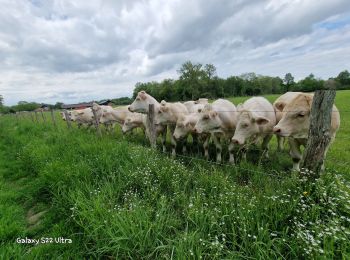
(197, 80)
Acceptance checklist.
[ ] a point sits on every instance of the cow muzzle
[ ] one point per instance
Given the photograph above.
(277, 130)
(236, 141)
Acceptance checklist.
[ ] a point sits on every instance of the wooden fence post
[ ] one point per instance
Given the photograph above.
(97, 123)
(151, 126)
(31, 116)
(16, 113)
(66, 115)
(42, 115)
(319, 133)
(53, 118)
(36, 116)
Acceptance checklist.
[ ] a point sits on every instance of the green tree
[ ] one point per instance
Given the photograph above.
(58, 105)
(343, 78)
(210, 71)
(288, 81)
(310, 83)
(191, 76)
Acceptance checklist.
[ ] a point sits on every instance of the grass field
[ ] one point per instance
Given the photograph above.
(116, 198)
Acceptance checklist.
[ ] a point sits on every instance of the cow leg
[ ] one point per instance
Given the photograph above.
(265, 145)
(218, 146)
(108, 128)
(172, 140)
(184, 142)
(295, 153)
(195, 141)
(164, 132)
(279, 143)
(230, 150)
(244, 154)
(206, 146)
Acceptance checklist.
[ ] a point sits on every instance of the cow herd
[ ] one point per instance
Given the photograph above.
(253, 122)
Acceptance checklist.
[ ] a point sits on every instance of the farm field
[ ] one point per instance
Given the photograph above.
(114, 197)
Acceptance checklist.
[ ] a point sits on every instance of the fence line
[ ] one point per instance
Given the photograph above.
(69, 125)
(331, 159)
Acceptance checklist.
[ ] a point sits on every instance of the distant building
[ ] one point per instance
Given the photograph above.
(45, 107)
(77, 106)
(106, 102)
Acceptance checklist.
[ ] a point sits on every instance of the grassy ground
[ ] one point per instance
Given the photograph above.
(115, 197)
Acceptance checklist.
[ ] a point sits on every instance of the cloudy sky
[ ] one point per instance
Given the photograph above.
(75, 50)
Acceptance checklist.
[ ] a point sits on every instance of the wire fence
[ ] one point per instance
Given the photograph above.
(41, 116)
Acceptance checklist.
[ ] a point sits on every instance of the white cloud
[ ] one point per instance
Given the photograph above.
(64, 50)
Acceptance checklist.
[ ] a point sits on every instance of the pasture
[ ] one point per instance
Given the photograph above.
(115, 197)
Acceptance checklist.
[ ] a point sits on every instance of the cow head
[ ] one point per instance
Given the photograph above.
(140, 103)
(208, 121)
(248, 125)
(295, 121)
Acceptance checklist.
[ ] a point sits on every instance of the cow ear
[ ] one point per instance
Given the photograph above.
(142, 95)
(213, 113)
(309, 98)
(162, 109)
(280, 106)
(262, 120)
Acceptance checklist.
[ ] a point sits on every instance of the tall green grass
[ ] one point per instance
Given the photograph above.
(115, 197)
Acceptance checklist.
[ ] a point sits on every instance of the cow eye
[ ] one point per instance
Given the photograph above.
(138, 99)
(159, 112)
(301, 114)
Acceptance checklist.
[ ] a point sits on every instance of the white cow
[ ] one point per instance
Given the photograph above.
(278, 105)
(194, 106)
(168, 114)
(138, 120)
(141, 105)
(219, 119)
(134, 120)
(185, 126)
(256, 119)
(82, 117)
(114, 115)
(109, 116)
(295, 124)
(63, 116)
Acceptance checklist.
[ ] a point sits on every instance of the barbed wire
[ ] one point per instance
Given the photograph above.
(236, 167)
(230, 111)
(268, 132)
(193, 112)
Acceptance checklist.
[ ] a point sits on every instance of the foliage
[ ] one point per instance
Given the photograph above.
(196, 80)
(122, 101)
